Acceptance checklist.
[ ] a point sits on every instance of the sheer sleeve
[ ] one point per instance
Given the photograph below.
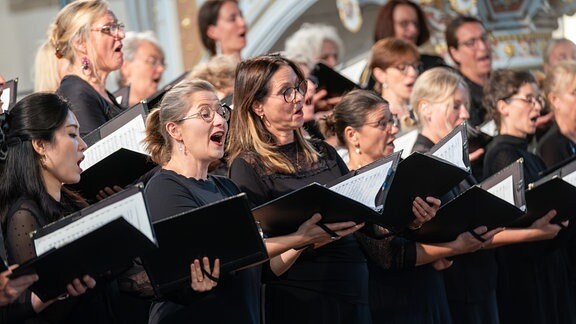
(389, 253)
(19, 225)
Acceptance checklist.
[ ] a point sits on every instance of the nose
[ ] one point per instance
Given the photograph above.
(82, 145)
(464, 115)
(241, 21)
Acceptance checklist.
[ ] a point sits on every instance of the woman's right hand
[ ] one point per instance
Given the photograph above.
(467, 242)
(202, 278)
(545, 229)
(312, 233)
(77, 287)
(11, 289)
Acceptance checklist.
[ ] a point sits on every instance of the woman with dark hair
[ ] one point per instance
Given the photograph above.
(41, 151)
(222, 27)
(533, 284)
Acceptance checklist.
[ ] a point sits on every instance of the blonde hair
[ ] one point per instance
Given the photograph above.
(219, 71)
(73, 25)
(46, 72)
(559, 77)
(173, 107)
(435, 85)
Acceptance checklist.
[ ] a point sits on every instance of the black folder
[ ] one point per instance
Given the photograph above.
(122, 96)
(423, 175)
(9, 92)
(224, 230)
(335, 83)
(477, 139)
(154, 100)
(140, 109)
(105, 248)
(475, 207)
(120, 168)
(285, 214)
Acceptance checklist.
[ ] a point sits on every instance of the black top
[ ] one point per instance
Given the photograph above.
(338, 268)
(554, 147)
(236, 298)
(90, 108)
(533, 283)
(477, 110)
(95, 306)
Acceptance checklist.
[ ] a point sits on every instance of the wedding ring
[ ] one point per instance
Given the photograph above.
(334, 238)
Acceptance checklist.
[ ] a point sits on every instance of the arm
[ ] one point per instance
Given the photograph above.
(540, 230)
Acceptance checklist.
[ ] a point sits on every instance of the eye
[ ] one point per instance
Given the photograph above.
(205, 113)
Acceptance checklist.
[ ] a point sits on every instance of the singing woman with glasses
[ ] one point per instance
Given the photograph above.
(533, 284)
(88, 35)
(269, 157)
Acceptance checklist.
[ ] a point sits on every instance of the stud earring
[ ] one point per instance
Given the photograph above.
(357, 150)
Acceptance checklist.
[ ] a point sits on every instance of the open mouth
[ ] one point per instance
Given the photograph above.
(118, 49)
(217, 138)
(80, 162)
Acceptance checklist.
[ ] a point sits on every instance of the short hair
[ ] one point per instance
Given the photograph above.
(450, 32)
(436, 85)
(560, 77)
(252, 85)
(351, 111)
(130, 45)
(307, 41)
(552, 44)
(503, 84)
(208, 16)
(384, 27)
(72, 24)
(173, 107)
(219, 71)
(390, 51)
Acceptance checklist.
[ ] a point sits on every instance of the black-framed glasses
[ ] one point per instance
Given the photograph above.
(289, 93)
(113, 29)
(532, 100)
(403, 67)
(207, 112)
(473, 42)
(385, 123)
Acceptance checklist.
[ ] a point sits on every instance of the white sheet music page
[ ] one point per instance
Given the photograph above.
(504, 190)
(452, 151)
(364, 187)
(132, 209)
(406, 142)
(129, 136)
(570, 178)
(5, 97)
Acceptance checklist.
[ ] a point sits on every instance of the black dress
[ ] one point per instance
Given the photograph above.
(326, 285)
(554, 147)
(533, 283)
(236, 298)
(90, 108)
(471, 281)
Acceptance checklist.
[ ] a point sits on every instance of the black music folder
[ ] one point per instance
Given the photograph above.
(335, 83)
(477, 139)
(138, 110)
(154, 100)
(122, 96)
(498, 201)
(358, 196)
(103, 237)
(9, 94)
(423, 175)
(555, 191)
(223, 229)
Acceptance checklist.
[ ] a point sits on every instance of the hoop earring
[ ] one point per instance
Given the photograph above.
(86, 66)
(43, 161)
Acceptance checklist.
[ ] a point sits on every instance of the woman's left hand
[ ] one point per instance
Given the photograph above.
(424, 211)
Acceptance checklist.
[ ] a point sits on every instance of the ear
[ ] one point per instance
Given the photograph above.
(379, 74)
(502, 107)
(552, 100)
(212, 32)
(39, 146)
(454, 54)
(80, 46)
(258, 108)
(351, 136)
(425, 109)
(174, 131)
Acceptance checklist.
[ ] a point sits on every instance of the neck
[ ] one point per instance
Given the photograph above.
(232, 53)
(566, 128)
(136, 97)
(99, 84)
(355, 160)
(52, 185)
(398, 105)
(479, 79)
(428, 133)
(508, 130)
(284, 137)
(186, 165)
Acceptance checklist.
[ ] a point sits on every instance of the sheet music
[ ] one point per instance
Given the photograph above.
(452, 152)
(129, 136)
(406, 142)
(490, 128)
(504, 190)
(570, 178)
(364, 187)
(132, 209)
(119, 99)
(5, 97)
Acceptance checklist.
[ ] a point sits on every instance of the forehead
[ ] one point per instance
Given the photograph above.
(404, 11)
(379, 111)
(147, 48)
(106, 18)
(469, 30)
(529, 88)
(228, 8)
(565, 49)
(284, 75)
(202, 98)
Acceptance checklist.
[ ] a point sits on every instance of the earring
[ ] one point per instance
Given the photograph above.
(218, 47)
(43, 161)
(357, 150)
(384, 85)
(85, 65)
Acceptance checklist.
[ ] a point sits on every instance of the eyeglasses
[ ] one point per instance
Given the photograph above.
(113, 29)
(155, 61)
(474, 42)
(406, 23)
(532, 100)
(386, 123)
(289, 93)
(207, 113)
(403, 67)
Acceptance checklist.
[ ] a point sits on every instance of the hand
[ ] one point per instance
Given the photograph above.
(543, 120)
(546, 229)
(311, 233)
(77, 287)
(467, 242)
(322, 104)
(476, 154)
(10, 290)
(423, 211)
(204, 280)
(442, 264)
(107, 192)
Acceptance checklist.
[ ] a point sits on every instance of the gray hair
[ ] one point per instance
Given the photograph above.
(307, 41)
(130, 45)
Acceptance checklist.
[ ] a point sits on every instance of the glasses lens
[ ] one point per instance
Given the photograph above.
(206, 113)
(224, 111)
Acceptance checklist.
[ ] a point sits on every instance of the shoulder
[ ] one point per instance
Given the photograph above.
(23, 205)
(71, 84)
(225, 184)
(164, 179)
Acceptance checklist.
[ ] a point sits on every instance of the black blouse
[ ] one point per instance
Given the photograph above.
(554, 147)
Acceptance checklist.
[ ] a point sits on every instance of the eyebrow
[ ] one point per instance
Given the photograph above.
(72, 125)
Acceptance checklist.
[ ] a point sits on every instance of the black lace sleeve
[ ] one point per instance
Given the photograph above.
(393, 253)
(19, 225)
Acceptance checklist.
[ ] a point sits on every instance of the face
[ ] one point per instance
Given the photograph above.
(329, 53)
(230, 29)
(561, 52)
(474, 52)
(564, 104)
(406, 24)
(144, 72)
(64, 154)
(308, 106)
(203, 140)
(107, 45)
(519, 112)
(376, 137)
(281, 116)
(399, 78)
(446, 115)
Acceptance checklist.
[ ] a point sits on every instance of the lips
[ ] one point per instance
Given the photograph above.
(80, 162)
(218, 137)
